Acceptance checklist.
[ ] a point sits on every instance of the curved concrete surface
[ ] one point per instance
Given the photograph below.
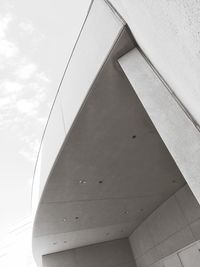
(113, 169)
(102, 167)
(90, 52)
(168, 33)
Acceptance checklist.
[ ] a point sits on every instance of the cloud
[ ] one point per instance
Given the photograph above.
(31, 149)
(28, 155)
(42, 77)
(27, 106)
(4, 22)
(27, 27)
(8, 49)
(4, 102)
(24, 102)
(8, 87)
(26, 71)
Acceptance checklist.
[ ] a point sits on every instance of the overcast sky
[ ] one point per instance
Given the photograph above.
(36, 39)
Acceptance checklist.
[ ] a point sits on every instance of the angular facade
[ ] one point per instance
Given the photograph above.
(117, 176)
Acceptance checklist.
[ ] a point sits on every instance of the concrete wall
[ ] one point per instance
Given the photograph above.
(186, 257)
(174, 225)
(107, 254)
(168, 32)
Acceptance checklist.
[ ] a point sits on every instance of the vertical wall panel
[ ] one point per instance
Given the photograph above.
(188, 204)
(141, 240)
(172, 261)
(158, 264)
(166, 220)
(195, 227)
(167, 229)
(175, 242)
(190, 257)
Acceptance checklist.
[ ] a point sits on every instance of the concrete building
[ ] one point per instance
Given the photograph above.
(117, 176)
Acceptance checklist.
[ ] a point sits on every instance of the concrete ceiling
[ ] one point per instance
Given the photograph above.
(113, 170)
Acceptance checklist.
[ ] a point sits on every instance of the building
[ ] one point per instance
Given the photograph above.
(117, 177)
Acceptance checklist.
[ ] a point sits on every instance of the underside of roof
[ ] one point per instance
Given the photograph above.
(103, 165)
(113, 170)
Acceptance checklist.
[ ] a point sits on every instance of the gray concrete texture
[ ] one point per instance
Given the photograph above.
(107, 254)
(165, 239)
(88, 57)
(168, 33)
(113, 170)
(108, 168)
(176, 129)
(171, 227)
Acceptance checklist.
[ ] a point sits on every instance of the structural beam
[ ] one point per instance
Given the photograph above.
(174, 126)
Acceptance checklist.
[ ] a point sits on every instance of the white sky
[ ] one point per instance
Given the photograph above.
(36, 39)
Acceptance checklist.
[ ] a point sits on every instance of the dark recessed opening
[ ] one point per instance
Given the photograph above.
(133, 136)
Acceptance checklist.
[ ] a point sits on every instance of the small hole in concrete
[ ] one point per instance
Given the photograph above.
(100, 182)
(82, 181)
(133, 136)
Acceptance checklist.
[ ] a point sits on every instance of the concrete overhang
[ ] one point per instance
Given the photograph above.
(103, 167)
